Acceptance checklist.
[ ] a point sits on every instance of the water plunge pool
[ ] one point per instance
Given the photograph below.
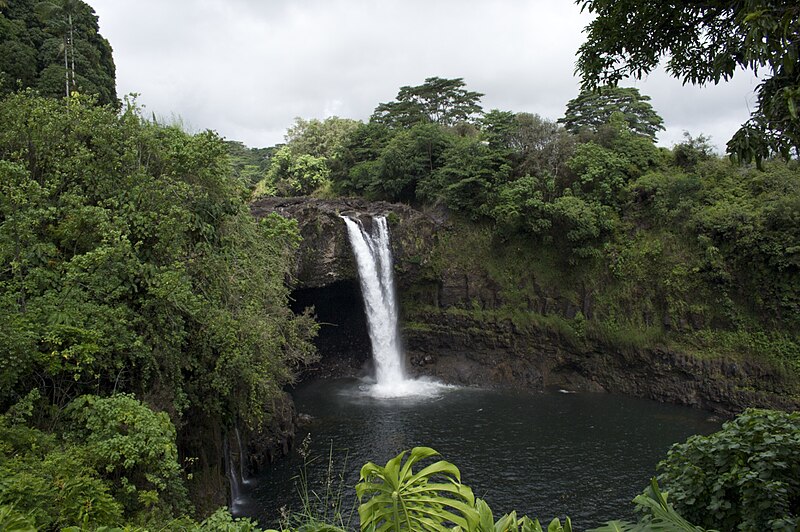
(545, 455)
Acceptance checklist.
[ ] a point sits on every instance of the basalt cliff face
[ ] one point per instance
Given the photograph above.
(459, 349)
(446, 339)
(325, 258)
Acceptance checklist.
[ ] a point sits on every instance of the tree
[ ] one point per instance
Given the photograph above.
(534, 145)
(467, 175)
(320, 138)
(409, 158)
(613, 157)
(442, 101)
(706, 42)
(55, 46)
(17, 55)
(692, 151)
(355, 159)
(593, 108)
(290, 174)
(59, 17)
(311, 154)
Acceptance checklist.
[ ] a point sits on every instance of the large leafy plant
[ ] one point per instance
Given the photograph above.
(745, 476)
(404, 500)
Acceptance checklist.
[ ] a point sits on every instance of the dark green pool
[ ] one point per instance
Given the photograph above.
(553, 454)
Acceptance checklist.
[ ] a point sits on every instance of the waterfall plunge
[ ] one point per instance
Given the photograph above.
(375, 265)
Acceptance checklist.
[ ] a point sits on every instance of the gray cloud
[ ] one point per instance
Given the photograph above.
(246, 68)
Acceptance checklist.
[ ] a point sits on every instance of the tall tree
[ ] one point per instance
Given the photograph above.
(706, 41)
(55, 46)
(59, 16)
(442, 101)
(593, 108)
(320, 138)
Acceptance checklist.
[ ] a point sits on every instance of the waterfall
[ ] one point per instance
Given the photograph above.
(242, 455)
(375, 272)
(374, 262)
(233, 477)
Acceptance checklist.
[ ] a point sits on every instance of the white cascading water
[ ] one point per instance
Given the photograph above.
(375, 271)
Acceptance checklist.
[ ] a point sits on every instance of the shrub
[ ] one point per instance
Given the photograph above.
(744, 477)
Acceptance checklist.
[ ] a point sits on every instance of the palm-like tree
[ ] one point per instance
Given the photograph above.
(59, 14)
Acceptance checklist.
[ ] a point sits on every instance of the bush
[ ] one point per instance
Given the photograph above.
(46, 486)
(134, 448)
(744, 477)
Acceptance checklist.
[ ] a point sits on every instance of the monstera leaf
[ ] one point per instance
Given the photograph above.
(432, 499)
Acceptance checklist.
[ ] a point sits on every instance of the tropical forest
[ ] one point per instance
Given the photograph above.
(439, 317)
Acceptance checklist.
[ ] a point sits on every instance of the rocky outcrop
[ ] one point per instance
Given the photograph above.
(325, 256)
(462, 350)
(248, 451)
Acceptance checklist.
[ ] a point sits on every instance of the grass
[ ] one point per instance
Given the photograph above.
(321, 503)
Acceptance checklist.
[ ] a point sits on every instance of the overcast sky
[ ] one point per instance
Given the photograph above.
(247, 68)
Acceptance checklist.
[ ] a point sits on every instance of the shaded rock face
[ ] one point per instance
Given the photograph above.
(461, 350)
(343, 338)
(325, 256)
(252, 450)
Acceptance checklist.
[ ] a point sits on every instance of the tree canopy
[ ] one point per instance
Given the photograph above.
(126, 246)
(706, 42)
(592, 109)
(442, 101)
(55, 47)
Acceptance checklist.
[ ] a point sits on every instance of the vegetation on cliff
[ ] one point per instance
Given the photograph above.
(131, 265)
(54, 46)
(594, 224)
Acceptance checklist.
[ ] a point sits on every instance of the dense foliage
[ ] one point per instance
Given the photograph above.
(54, 46)
(660, 242)
(131, 264)
(112, 457)
(744, 477)
(706, 42)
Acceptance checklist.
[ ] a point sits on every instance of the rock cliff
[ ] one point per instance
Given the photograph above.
(446, 338)
(460, 349)
(325, 257)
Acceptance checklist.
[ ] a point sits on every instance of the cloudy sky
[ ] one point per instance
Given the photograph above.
(247, 68)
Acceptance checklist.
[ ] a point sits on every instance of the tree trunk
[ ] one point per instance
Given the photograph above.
(72, 52)
(66, 68)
